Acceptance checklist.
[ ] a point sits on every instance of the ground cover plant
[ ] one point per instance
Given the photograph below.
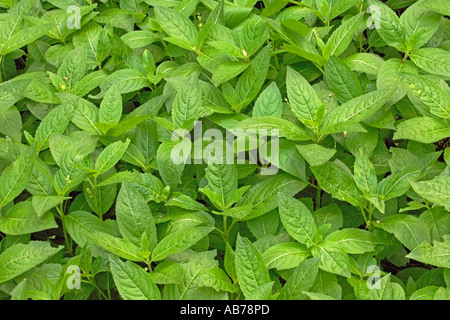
(113, 120)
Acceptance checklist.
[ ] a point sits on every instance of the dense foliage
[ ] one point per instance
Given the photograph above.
(354, 94)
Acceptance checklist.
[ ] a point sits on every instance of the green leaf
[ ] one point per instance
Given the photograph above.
(330, 214)
(409, 230)
(334, 179)
(169, 170)
(422, 129)
(187, 102)
(341, 38)
(111, 107)
(341, 80)
(430, 94)
(139, 38)
(432, 60)
(364, 62)
(297, 219)
(80, 224)
(216, 278)
(308, 55)
(22, 257)
(110, 156)
(419, 24)
(14, 19)
(327, 284)
(41, 91)
(89, 82)
(285, 255)
(15, 178)
(73, 67)
(85, 116)
(228, 71)
(120, 247)
(43, 203)
(355, 110)
(333, 258)
(388, 77)
(11, 92)
(439, 6)
(263, 197)
(176, 25)
(301, 280)
(315, 154)
(22, 219)
(390, 27)
(289, 159)
(354, 241)
(303, 100)
(23, 37)
(437, 254)
(338, 7)
(134, 217)
(438, 221)
(179, 241)
(251, 270)
(364, 174)
(11, 123)
(269, 102)
(273, 7)
(426, 293)
(318, 296)
(125, 81)
(436, 190)
(285, 128)
(388, 290)
(183, 201)
(222, 180)
(251, 81)
(132, 281)
(230, 262)
(56, 121)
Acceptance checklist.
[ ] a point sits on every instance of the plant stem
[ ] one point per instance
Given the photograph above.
(311, 184)
(405, 57)
(1, 68)
(318, 194)
(66, 236)
(364, 216)
(225, 230)
(371, 207)
(96, 287)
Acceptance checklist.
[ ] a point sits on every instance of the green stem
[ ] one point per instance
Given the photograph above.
(296, 2)
(225, 230)
(149, 266)
(276, 63)
(311, 184)
(94, 192)
(66, 236)
(275, 52)
(318, 194)
(405, 57)
(108, 290)
(96, 287)
(365, 217)
(371, 207)
(1, 68)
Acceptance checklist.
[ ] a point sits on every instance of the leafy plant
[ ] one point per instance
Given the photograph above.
(98, 104)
